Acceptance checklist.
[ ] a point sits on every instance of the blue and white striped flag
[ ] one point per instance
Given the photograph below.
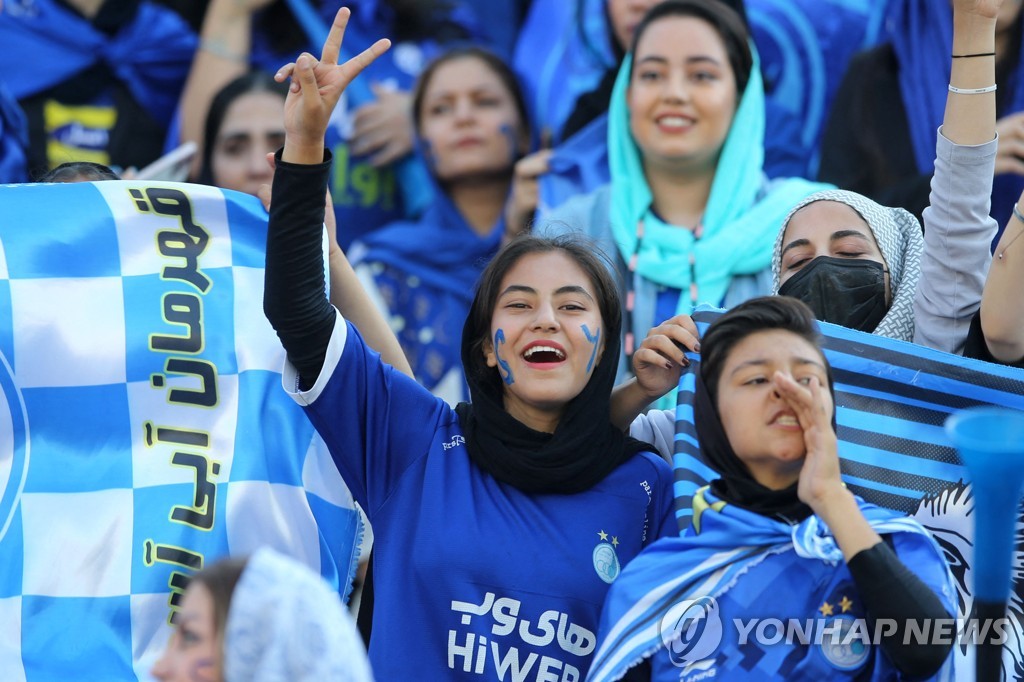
(144, 432)
(892, 400)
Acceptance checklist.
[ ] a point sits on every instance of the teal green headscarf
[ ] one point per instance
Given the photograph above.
(740, 225)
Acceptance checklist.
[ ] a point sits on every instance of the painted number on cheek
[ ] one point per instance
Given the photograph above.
(593, 339)
(503, 368)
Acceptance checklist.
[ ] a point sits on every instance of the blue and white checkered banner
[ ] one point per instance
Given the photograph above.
(892, 400)
(144, 432)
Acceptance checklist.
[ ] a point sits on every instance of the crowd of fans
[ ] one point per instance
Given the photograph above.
(471, 165)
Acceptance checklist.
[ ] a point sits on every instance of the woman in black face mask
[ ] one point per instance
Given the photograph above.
(852, 261)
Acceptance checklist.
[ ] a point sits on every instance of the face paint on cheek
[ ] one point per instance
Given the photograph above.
(513, 145)
(503, 367)
(594, 339)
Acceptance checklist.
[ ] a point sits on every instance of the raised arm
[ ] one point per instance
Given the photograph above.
(225, 43)
(294, 301)
(349, 296)
(958, 228)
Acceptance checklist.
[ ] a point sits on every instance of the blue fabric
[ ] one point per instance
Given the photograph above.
(46, 44)
(892, 398)
(432, 267)
(13, 139)
(805, 46)
(921, 33)
(143, 427)
(562, 52)
(473, 575)
(754, 567)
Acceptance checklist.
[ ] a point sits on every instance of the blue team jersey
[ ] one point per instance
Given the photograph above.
(475, 579)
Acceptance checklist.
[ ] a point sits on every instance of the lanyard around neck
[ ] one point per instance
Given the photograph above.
(629, 341)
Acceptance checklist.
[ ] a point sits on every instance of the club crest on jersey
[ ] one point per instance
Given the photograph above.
(606, 560)
(845, 644)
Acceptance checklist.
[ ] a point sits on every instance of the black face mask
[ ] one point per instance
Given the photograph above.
(845, 291)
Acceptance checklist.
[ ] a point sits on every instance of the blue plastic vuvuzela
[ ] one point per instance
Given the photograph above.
(990, 441)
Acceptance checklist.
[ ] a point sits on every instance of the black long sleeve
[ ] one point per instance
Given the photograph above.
(293, 287)
(890, 591)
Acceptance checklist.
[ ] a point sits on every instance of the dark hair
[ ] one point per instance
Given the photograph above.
(580, 250)
(220, 579)
(752, 316)
(729, 25)
(492, 61)
(253, 81)
(78, 171)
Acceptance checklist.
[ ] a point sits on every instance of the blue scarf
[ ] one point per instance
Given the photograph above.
(740, 221)
(723, 543)
(46, 44)
(921, 33)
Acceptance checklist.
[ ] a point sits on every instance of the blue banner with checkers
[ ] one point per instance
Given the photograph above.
(892, 400)
(144, 432)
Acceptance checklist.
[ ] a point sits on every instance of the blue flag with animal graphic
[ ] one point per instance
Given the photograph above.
(144, 432)
(892, 400)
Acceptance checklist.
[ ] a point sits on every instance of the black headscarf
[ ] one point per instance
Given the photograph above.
(736, 484)
(582, 451)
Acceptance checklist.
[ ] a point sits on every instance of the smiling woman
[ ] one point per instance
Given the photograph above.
(689, 214)
(499, 524)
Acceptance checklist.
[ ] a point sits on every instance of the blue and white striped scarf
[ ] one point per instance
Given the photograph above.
(723, 544)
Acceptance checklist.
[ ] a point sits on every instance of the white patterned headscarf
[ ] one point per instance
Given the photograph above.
(898, 234)
(286, 624)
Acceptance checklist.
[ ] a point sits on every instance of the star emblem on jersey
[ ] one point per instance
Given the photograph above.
(606, 560)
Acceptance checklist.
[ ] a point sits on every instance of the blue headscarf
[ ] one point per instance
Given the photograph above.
(740, 219)
(45, 44)
(921, 33)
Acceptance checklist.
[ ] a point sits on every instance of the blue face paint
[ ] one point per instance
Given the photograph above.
(594, 340)
(513, 142)
(499, 340)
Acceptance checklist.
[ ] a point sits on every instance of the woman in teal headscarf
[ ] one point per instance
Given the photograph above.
(689, 212)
